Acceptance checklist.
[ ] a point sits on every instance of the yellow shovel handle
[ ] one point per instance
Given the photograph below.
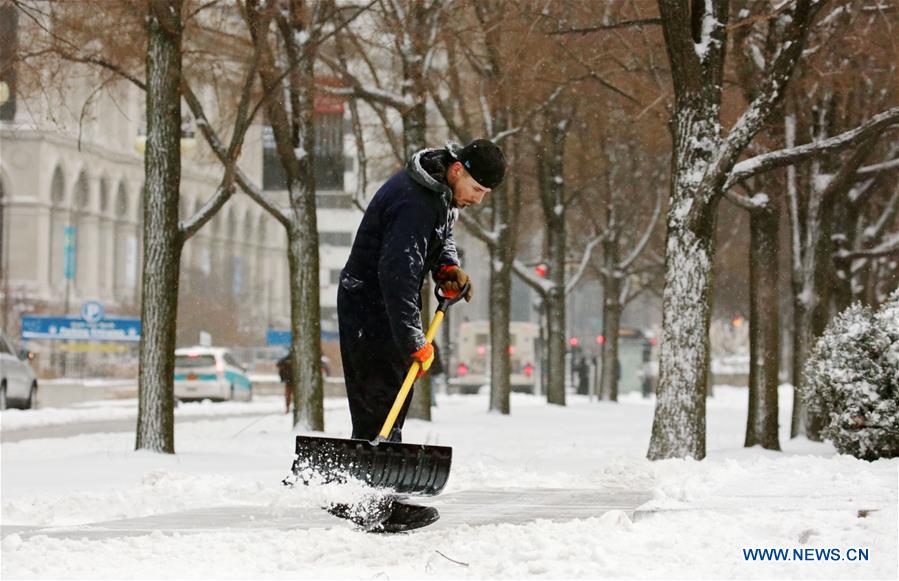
(410, 379)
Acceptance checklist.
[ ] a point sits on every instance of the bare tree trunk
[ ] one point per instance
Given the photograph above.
(162, 238)
(305, 312)
(611, 321)
(420, 406)
(305, 322)
(555, 313)
(611, 325)
(500, 315)
(764, 328)
(678, 429)
(414, 135)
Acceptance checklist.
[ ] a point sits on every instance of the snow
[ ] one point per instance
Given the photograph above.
(125, 409)
(708, 25)
(698, 519)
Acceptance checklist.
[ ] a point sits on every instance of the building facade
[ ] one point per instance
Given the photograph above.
(71, 186)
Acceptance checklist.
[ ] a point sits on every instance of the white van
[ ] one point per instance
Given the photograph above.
(18, 383)
(472, 367)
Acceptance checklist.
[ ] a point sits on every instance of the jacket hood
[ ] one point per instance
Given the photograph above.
(428, 168)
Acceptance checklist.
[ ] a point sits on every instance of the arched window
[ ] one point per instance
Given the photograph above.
(81, 251)
(121, 202)
(248, 227)
(260, 230)
(58, 223)
(57, 187)
(82, 193)
(122, 252)
(104, 195)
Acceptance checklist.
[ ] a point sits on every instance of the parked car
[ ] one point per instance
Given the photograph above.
(210, 373)
(18, 383)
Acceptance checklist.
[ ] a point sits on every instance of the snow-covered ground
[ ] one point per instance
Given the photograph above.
(698, 519)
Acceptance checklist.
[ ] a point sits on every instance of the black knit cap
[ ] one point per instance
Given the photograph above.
(484, 161)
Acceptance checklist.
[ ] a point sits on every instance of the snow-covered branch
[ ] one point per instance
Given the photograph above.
(790, 155)
(647, 234)
(638, 23)
(540, 285)
(585, 260)
(242, 122)
(771, 89)
(874, 231)
(889, 245)
(478, 230)
(215, 143)
(876, 168)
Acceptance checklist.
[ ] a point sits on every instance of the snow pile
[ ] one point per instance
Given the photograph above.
(117, 410)
(700, 517)
(853, 378)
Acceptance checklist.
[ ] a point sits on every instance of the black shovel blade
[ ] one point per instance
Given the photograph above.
(404, 468)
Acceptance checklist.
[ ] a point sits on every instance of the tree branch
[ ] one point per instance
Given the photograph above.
(214, 142)
(226, 188)
(639, 23)
(889, 246)
(782, 157)
(585, 259)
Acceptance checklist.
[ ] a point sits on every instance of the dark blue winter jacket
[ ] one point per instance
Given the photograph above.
(406, 232)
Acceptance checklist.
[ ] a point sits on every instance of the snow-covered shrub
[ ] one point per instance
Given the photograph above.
(853, 378)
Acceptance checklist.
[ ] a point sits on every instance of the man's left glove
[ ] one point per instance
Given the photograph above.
(452, 279)
(425, 356)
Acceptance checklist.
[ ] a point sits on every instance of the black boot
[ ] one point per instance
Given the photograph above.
(406, 517)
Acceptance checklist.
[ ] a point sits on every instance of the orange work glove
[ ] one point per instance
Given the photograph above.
(425, 356)
(451, 279)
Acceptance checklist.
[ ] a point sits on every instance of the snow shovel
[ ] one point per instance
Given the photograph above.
(414, 469)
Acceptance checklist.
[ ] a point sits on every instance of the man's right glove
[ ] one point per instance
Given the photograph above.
(425, 356)
(452, 279)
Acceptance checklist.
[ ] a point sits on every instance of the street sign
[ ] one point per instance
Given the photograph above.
(92, 311)
(69, 252)
(74, 328)
(277, 337)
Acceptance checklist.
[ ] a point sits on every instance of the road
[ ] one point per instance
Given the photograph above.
(107, 426)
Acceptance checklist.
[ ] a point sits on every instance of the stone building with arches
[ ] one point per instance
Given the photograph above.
(71, 183)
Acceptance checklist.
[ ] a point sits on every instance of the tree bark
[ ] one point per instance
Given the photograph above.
(162, 238)
(420, 406)
(500, 315)
(611, 326)
(678, 429)
(290, 107)
(305, 312)
(764, 328)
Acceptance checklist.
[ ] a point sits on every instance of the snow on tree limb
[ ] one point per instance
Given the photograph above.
(647, 235)
(879, 167)
(582, 266)
(874, 231)
(790, 155)
(718, 177)
(215, 143)
(890, 245)
(225, 189)
(636, 23)
(541, 285)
